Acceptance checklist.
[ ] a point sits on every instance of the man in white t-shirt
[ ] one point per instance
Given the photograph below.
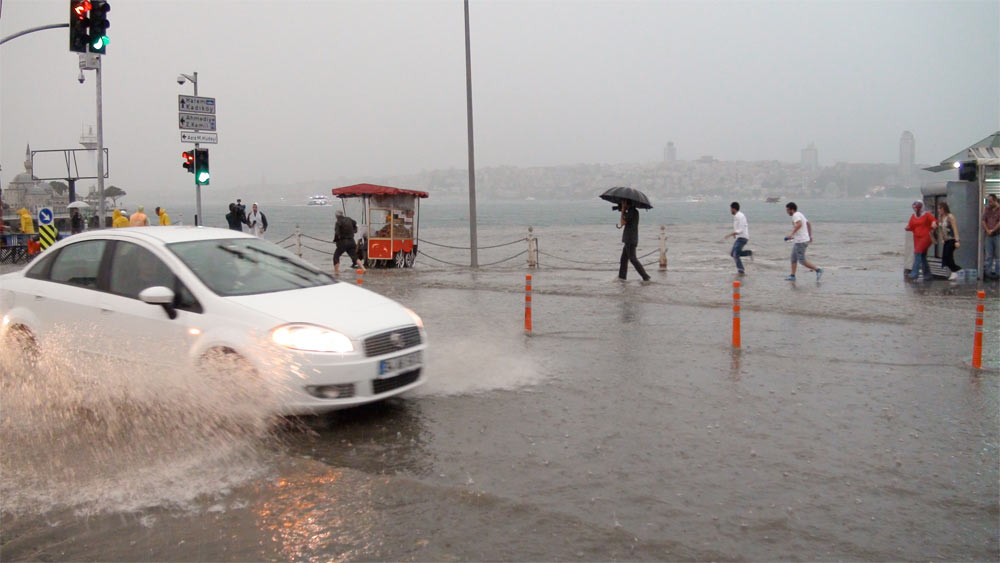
(801, 236)
(741, 232)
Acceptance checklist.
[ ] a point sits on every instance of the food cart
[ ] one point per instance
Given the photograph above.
(388, 225)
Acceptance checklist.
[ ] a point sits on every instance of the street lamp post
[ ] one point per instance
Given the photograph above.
(193, 79)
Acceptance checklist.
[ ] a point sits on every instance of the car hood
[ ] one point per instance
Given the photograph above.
(346, 308)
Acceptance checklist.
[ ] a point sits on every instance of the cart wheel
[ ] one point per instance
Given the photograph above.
(409, 258)
(400, 259)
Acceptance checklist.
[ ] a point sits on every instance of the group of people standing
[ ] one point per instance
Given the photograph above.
(927, 228)
(120, 219)
(255, 220)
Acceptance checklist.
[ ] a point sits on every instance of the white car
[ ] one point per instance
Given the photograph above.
(193, 295)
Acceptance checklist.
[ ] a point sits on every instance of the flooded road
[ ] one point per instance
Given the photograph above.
(849, 426)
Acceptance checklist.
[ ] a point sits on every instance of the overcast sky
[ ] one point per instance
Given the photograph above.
(309, 90)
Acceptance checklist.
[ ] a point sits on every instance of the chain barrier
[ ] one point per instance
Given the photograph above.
(421, 252)
(317, 250)
(522, 253)
(470, 248)
(316, 239)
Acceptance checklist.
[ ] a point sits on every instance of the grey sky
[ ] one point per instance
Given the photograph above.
(322, 89)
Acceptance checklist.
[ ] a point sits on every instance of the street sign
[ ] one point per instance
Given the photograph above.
(194, 104)
(45, 216)
(199, 137)
(196, 121)
(47, 235)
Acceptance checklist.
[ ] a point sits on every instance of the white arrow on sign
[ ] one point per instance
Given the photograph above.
(45, 216)
(196, 121)
(199, 137)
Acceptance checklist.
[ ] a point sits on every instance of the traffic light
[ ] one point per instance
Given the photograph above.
(79, 25)
(201, 175)
(188, 157)
(99, 25)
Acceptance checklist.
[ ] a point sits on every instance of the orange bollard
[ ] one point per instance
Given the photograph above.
(359, 271)
(736, 314)
(977, 340)
(527, 303)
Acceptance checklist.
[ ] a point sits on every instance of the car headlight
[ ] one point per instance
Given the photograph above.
(311, 338)
(416, 318)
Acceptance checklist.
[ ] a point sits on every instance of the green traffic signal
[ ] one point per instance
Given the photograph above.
(201, 174)
(99, 43)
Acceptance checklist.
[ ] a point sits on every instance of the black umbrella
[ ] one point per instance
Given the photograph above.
(637, 198)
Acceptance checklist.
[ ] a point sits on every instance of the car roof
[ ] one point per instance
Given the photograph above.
(164, 235)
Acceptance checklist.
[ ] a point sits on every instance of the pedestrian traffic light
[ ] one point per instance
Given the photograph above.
(99, 25)
(79, 25)
(188, 161)
(201, 175)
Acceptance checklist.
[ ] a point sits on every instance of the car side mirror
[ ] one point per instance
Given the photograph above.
(160, 295)
(157, 295)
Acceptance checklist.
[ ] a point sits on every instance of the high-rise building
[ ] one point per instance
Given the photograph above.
(810, 158)
(907, 157)
(670, 152)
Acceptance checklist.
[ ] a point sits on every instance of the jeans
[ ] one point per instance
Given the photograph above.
(991, 263)
(628, 255)
(920, 261)
(738, 251)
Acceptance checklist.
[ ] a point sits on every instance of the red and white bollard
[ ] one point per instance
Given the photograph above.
(977, 340)
(527, 303)
(736, 314)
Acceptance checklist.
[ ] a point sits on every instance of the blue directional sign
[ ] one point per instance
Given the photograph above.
(45, 216)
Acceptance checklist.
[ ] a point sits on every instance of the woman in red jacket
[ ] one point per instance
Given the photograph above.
(922, 224)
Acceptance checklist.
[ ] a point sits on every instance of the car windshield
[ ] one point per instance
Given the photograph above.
(247, 266)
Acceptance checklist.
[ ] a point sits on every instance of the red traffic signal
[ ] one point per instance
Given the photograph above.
(79, 25)
(188, 161)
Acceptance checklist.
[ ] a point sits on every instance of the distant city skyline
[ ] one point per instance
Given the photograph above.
(363, 89)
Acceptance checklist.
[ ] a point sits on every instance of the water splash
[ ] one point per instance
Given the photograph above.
(100, 436)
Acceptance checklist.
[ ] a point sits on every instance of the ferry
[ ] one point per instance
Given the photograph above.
(318, 200)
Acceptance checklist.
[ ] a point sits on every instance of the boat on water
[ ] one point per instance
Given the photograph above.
(773, 199)
(318, 200)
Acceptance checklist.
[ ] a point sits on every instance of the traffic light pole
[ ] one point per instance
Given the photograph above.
(100, 148)
(197, 187)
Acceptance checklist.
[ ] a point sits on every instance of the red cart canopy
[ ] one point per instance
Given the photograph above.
(372, 189)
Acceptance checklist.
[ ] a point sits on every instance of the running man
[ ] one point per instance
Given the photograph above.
(741, 232)
(801, 236)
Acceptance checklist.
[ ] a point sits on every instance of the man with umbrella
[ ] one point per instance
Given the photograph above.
(628, 200)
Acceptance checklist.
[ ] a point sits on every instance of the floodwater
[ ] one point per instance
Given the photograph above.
(849, 425)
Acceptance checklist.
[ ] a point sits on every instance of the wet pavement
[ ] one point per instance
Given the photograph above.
(625, 427)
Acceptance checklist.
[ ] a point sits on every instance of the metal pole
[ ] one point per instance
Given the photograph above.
(472, 159)
(100, 148)
(980, 239)
(199, 218)
(31, 30)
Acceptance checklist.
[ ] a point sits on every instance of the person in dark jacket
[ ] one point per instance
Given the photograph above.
(235, 218)
(630, 238)
(75, 221)
(343, 237)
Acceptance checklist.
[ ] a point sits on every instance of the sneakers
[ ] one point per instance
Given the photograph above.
(750, 254)
(953, 276)
(740, 273)
(790, 277)
(819, 273)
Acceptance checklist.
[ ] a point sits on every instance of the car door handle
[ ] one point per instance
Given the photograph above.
(39, 298)
(107, 311)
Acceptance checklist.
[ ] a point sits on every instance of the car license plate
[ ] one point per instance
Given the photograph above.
(399, 363)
